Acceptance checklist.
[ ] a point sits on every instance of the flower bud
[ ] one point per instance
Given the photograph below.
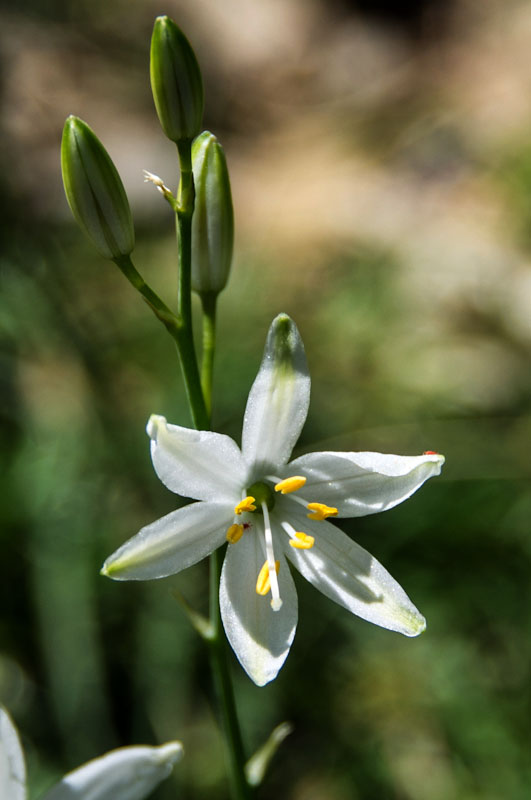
(213, 219)
(175, 81)
(94, 191)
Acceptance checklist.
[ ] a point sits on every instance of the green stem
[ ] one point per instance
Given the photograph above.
(235, 754)
(199, 391)
(185, 210)
(216, 642)
(208, 300)
(159, 308)
(179, 334)
(241, 790)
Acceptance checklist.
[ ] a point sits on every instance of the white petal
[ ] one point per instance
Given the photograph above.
(358, 484)
(260, 637)
(129, 773)
(172, 543)
(278, 400)
(198, 464)
(349, 575)
(12, 766)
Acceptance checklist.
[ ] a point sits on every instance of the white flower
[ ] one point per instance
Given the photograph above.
(270, 510)
(129, 773)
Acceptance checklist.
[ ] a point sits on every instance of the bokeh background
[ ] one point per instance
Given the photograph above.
(380, 160)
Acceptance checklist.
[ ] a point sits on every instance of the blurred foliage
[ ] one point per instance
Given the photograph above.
(416, 326)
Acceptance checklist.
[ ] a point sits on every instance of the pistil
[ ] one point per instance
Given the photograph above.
(263, 582)
(276, 602)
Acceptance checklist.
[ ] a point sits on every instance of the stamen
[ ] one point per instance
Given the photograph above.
(298, 539)
(235, 533)
(320, 511)
(263, 583)
(303, 541)
(247, 504)
(276, 602)
(289, 485)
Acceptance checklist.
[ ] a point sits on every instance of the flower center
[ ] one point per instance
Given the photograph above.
(260, 498)
(262, 493)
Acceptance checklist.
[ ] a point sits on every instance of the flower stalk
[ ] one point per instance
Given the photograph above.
(178, 93)
(217, 645)
(179, 333)
(216, 641)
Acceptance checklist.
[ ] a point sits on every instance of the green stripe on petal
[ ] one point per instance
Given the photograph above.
(172, 543)
(278, 401)
(352, 577)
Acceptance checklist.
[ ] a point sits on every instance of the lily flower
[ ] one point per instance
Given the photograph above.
(129, 773)
(272, 511)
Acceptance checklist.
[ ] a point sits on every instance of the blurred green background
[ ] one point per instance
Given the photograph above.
(381, 172)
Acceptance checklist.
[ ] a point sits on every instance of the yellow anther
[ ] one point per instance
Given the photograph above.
(247, 504)
(235, 533)
(263, 583)
(320, 511)
(302, 541)
(290, 484)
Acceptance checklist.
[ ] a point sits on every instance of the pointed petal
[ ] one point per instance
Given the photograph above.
(129, 773)
(172, 543)
(278, 400)
(358, 484)
(12, 766)
(198, 464)
(260, 637)
(349, 575)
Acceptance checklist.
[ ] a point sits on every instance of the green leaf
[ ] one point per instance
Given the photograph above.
(256, 767)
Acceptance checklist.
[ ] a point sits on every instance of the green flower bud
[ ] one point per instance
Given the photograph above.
(175, 81)
(94, 191)
(213, 219)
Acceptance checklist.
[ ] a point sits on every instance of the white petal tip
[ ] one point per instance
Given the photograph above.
(435, 458)
(170, 753)
(154, 422)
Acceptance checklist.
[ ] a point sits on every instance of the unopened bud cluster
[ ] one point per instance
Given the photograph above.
(96, 194)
